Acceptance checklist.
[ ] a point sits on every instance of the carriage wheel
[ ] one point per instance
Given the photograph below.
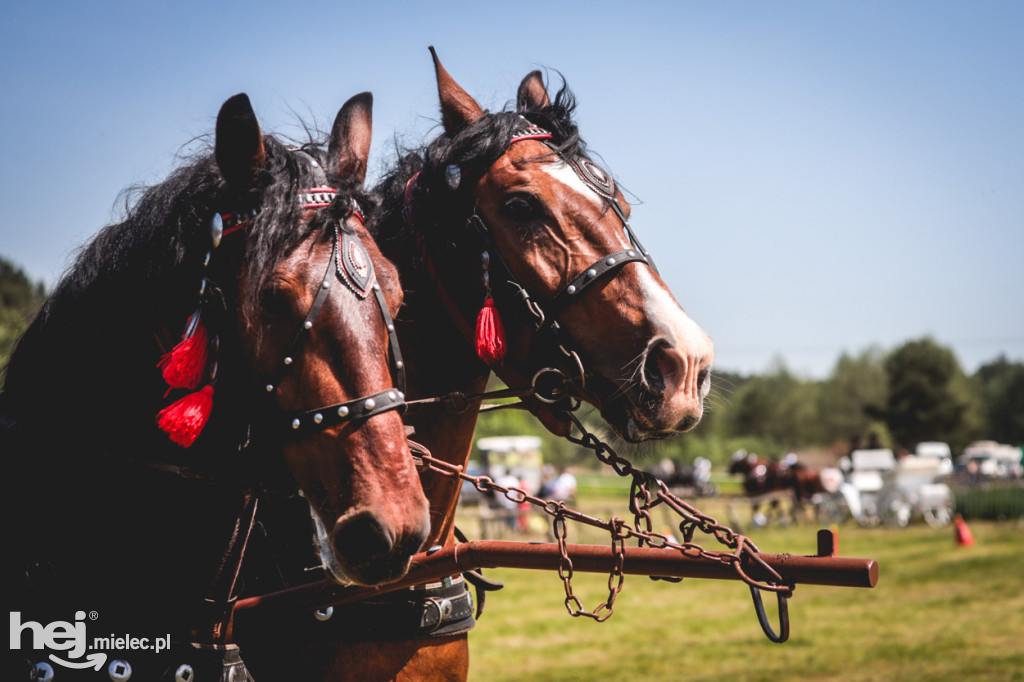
(896, 510)
(939, 515)
(833, 510)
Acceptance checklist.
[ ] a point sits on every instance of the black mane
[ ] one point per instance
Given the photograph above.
(89, 357)
(475, 148)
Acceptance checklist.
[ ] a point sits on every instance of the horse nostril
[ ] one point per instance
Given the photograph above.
(704, 381)
(653, 379)
(663, 367)
(361, 538)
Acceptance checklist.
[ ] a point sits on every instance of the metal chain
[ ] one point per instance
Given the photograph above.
(693, 519)
(642, 501)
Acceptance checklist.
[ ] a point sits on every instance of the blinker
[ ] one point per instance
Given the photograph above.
(216, 230)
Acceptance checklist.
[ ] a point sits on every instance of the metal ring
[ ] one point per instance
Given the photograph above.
(762, 617)
(456, 403)
(557, 394)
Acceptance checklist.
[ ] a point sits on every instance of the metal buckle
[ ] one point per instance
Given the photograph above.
(444, 608)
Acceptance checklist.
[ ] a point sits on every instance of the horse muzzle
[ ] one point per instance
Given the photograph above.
(665, 394)
(364, 549)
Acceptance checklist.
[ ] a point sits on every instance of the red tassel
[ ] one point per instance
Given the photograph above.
(183, 365)
(490, 334)
(184, 419)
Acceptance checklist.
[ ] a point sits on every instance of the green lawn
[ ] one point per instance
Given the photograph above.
(939, 612)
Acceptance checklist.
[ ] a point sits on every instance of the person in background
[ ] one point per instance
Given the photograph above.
(563, 488)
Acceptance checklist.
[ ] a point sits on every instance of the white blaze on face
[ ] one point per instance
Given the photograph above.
(560, 171)
(659, 302)
(661, 306)
(686, 336)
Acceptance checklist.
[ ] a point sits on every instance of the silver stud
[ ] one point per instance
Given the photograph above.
(206, 260)
(326, 285)
(202, 287)
(317, 418)
(399, 364)
(324, 614)
(609, 261)
(631, 253)
(370, 404)
(392, 396)
(342, 411)
(401, 395)
(216, 230)
(485, 259)
(376, 286)
(288, 361)
(391, 327)
(270, 388)
(184, 673)
(591, 272)
(296, 423)
(308, 324)
(571, 289)
(119, 670)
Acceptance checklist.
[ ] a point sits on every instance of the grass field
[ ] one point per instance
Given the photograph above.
(939, 612)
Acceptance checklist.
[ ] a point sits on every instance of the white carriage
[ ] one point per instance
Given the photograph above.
(876, 487)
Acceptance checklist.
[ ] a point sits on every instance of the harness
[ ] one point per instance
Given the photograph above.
(205, 654)
(548, 383)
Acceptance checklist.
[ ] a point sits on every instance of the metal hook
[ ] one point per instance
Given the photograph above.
(762, 617)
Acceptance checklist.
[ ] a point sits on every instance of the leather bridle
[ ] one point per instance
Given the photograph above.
(352, 266)
(548, 383)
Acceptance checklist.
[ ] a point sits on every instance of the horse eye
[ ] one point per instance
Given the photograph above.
(275, 301)
(520, 207)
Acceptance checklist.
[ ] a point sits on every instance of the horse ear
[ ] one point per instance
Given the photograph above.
(532, 93)
(349, 148)
(239, 146)
(458, 109)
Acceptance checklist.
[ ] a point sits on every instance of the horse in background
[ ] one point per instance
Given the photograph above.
(134, 483)
(762, 477)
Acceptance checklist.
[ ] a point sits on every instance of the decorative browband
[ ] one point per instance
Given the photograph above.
(531, 133)
(309, 198)
(317, 197)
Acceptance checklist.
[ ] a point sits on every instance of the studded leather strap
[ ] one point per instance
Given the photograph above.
(595, 272)
(358, 410)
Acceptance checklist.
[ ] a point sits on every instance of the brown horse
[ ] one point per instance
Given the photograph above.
(288, 304)
(506, 206)
(761, 476)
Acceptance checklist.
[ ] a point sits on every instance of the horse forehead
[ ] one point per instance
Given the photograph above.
(531, 162)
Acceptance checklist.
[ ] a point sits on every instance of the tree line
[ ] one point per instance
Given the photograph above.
(915, 392)
(20, 298)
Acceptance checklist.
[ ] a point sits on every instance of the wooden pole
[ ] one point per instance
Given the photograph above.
(824, 569)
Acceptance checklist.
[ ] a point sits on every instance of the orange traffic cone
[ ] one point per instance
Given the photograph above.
(963, 533)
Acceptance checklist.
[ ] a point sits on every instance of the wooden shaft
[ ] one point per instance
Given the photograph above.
(825, 569)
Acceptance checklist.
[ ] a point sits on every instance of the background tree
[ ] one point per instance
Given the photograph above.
(20, 298)
(856, 382)
(1001, 386)
(780, 408)
(928, 396)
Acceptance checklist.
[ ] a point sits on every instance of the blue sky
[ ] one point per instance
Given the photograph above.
(812, 177)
